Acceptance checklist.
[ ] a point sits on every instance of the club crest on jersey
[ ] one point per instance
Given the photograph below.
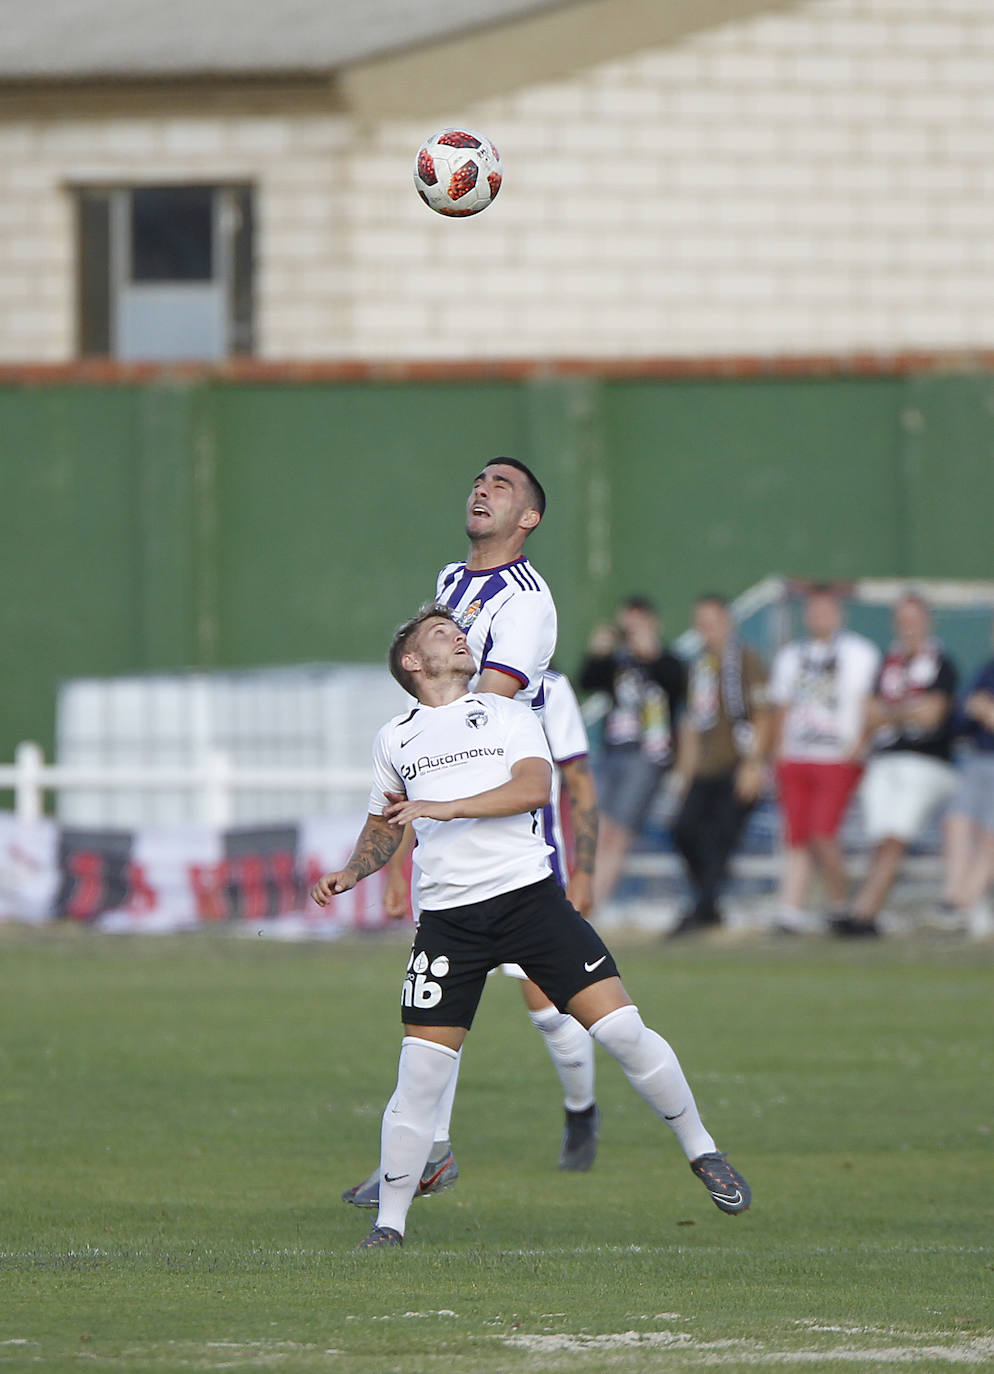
(470, 614)
(477, 718)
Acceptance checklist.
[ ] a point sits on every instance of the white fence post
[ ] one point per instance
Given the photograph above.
(29, 761)
(217, 789)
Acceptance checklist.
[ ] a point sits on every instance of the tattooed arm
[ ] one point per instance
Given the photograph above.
(579, 783)
(373, 848)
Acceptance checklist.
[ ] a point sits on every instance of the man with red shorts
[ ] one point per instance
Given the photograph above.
(820, 687)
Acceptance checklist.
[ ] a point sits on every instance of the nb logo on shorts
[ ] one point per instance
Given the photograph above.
(420, 991)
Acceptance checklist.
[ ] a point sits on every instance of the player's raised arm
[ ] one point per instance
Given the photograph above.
(501, 683)
(521, 641)
(529, 789)
(377, 841)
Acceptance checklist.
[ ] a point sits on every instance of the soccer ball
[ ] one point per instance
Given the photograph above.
(457, 172)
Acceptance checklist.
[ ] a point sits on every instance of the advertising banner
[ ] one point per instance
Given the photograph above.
(167, 879)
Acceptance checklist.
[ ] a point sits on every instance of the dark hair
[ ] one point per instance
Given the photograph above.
(712, 599)
(536, 488)
(403, 636)
(638, 602)
(828, 589)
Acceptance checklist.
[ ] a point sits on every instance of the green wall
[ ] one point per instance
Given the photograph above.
(173, 523)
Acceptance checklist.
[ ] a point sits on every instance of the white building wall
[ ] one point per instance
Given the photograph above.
(818, 180)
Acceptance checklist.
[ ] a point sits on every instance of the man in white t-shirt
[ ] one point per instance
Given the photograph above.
(820, 687)
(909, 724)
(472, 771)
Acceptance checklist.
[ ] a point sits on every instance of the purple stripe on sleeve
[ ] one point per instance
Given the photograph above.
(503, 668)
(522, 575)
(555, 858)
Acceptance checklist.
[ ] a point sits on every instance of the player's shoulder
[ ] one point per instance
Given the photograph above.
(398, 723)
(506, 709)
(448, 575)
(557, 687)
(523, 577)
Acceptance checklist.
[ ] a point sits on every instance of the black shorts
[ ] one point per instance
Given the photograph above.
(533, 926)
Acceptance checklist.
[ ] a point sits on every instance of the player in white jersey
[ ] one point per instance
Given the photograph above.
(472, 771)
(509, 617)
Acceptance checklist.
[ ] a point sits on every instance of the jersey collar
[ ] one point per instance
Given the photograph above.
(481, 572)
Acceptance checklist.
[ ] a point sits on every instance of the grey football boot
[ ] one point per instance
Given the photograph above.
(729, 1190)
(379, 1236)
(580, 1135)
(436, 1177)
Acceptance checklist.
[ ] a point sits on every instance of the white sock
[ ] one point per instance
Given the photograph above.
(405, 1140)
(572, 1051)
(440, 1145)
(654, 1072)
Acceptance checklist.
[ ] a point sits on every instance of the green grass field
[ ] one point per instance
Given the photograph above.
(180, 1116)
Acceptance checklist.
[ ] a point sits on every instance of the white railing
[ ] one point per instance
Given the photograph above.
(214, 781)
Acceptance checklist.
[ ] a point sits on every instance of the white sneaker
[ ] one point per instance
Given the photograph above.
(947, 917)
(980, 922)
(792, 921)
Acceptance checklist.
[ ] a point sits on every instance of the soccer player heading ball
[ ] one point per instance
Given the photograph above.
(506, 609)
(472, 771)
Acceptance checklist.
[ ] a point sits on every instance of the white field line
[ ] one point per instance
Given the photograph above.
(975, 1350)
(686, 1349)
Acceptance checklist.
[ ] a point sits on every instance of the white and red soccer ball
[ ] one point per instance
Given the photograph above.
(457, 172)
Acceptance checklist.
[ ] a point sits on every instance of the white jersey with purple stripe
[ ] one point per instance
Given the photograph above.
(566, 733)
(509, 619)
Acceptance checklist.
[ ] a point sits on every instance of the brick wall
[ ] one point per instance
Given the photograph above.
(810, 181)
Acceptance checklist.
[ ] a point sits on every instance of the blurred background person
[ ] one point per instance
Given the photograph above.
(819, 689)
(910, 774)
(647, 685)
(969, 831)
(724, 745)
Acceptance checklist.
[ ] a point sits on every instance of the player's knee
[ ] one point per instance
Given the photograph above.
(619, 1031)
(425, 1069)
(639, 1049)
(549, 1020)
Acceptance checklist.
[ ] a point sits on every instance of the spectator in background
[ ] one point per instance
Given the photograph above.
(819, 688)
(725, 740)
(646, 684)
(970, 819)
(909, 722)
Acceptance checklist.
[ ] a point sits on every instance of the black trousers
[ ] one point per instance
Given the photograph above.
(706, 833)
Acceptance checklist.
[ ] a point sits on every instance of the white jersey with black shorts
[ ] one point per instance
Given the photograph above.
(486, 891)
